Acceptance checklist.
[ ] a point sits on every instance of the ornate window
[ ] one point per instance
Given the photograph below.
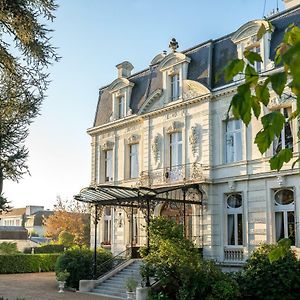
(233, 141)
(284, 214)
(108, 165)
(234, 219)
(107, 230)
(174, 80)
(175, 149)
(121, 107)
(134, 160)
(285, 140)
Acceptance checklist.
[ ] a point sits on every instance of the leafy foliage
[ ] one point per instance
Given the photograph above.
(254, 93)
(27, 263)
(25, 52)
(68, 218)
(271, 273)
(177, 265)
(79, 263)
(48, 248)
(8, 248)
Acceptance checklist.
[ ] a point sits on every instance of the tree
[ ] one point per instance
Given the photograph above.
(25, 53)
(254, 93)
(69, 217)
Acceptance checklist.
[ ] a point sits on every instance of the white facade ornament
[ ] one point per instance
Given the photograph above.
(197, 172)
(156, 148)
(281, 180)
(194, 140)
(107, 145)
(174, 127)
(133, 139)
(231, 185)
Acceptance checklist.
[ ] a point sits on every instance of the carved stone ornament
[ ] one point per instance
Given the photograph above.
(280, 101)
(194, 140)
(197, 172)
(156, 148)
(231, 185)
(133, 139)
(107, 145)
(174, 127)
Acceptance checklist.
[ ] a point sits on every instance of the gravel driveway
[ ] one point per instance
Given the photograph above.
(37, 286)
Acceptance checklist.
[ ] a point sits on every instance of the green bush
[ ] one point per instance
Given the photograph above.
(79, 263)
(8, 248)
(29, 263)
(48, 248)
(263, 279)
(177, 265)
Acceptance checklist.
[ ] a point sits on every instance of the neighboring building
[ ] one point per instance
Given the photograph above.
(31, 217)
(166, 126)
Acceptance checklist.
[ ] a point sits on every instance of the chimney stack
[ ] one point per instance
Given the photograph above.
(124, 69)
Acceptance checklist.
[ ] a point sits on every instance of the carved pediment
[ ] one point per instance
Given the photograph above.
(249, 29)
(175, 127)
(119, 84)
(192, 89)
(173, 59)
(150, 102)
(107, 145)
(133, 139)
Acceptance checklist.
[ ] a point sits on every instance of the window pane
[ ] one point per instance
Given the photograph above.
(234, 201)
(134, 166)
(238, 146)
(108, 165)
(240, 229)
(230, 229)
(279, 223)
(229, 148)
(284, 197)
(291, 226)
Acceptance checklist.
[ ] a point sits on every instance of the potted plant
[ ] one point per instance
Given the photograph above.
(131, 285)
(61, 278)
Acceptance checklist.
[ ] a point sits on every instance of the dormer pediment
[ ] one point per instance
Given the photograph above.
(152, 102)
(249, 29)
(172, 60)
(118, 84)
(192, 89)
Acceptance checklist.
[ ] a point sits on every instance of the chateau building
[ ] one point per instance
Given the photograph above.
(166, 126)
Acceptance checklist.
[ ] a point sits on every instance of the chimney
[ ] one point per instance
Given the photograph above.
(291, 3)
(124, 69)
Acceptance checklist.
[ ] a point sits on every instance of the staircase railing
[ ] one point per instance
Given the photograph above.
(114, 262)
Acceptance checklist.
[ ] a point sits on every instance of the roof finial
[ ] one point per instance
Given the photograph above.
(173, 45)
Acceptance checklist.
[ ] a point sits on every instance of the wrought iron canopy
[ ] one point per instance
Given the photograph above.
(138, 196)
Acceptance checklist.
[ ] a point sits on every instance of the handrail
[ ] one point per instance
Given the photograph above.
(115, 261)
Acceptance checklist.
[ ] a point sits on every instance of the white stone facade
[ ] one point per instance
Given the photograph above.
(196, 121)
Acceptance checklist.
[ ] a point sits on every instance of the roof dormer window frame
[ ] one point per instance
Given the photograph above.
(174, 65)
(245, 38)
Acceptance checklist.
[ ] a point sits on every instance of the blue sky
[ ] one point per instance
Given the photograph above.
(92, 37)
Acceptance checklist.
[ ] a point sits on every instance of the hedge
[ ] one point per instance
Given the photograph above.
(49, 248)
(27, 263)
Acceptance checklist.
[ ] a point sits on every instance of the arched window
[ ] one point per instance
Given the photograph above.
(284, 214)
(234, 205)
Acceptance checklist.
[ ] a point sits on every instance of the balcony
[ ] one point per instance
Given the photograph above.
(234, 254)
(170, 175)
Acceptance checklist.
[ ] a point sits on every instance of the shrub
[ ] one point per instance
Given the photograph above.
(8, 248)
(48, 248)
(66, 238)
(79, 263)
(29, 263)
(263, 279)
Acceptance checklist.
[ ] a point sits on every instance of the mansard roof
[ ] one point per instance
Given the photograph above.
(206, 63)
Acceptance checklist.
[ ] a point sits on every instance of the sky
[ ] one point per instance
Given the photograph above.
(92, 37)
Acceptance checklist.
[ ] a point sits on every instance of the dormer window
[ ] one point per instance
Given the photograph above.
(174, 79)
(245, 38)
(121, 107)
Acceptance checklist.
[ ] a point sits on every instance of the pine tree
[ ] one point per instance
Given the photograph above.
(25, 54)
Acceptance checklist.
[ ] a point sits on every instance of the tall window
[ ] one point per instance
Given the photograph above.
(233, 141)
(107, 226)
(134, 160)
(175, 149)
(257, 64)
(285, 140)
(133, 228)
(234, 219)
(121, 109)
(174, 87)
(108, 165)
(284, 215)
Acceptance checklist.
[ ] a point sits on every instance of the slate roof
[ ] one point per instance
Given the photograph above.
(207, 61)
